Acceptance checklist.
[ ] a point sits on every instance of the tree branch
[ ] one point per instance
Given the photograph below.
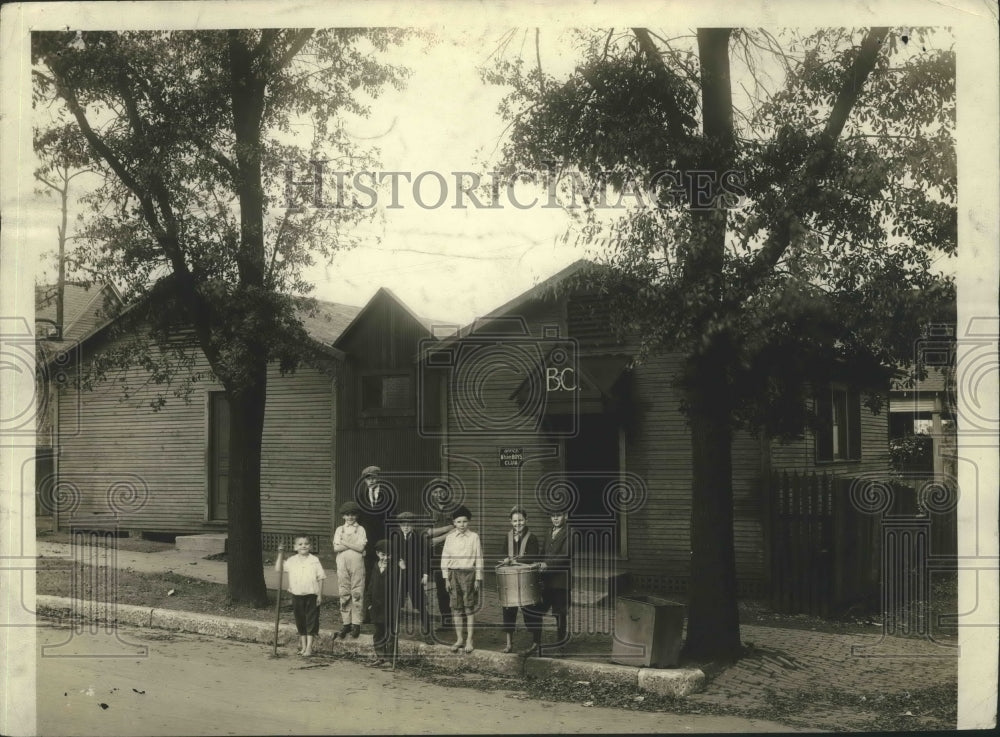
(675, 121)
(779, 237)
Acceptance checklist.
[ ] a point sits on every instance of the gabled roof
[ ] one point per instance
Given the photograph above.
(382, 293)
(545, 288)
(83, 306)
(329, 322)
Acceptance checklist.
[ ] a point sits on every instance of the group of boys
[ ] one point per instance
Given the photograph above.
(447, 558)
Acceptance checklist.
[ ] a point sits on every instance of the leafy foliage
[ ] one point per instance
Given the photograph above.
(864, 220)
(155, 112)
(787, 235)
(193, 132)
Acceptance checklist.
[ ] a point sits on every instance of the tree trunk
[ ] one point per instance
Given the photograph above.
(248, 396)
(713, 618)
(244, 559)
(713, 631)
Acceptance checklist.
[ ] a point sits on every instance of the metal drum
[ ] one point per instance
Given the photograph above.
(518, 585)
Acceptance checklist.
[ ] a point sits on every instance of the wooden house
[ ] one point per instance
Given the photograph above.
(926, 407)
(166, 470)
(547, 408)
(58, 334)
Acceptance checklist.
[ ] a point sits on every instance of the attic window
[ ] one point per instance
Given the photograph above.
(389, 393)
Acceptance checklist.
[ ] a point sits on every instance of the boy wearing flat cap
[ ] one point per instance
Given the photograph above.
(375, 499)
(349, 543)
(462, 569)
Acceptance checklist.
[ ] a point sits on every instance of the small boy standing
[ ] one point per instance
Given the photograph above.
(305, 584)
(349, 542)
(462, 570)
(383, 603)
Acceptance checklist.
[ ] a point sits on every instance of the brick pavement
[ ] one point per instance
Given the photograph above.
(790, 660)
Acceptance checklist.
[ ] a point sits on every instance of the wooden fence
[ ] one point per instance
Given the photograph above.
(828, 536)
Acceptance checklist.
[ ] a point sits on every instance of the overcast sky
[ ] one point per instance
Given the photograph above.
(447, 264)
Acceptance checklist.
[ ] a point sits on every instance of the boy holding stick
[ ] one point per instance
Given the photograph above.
(305, 584)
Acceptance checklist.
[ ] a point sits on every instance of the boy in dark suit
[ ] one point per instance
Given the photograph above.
(412, 552)
(555, 566)
(383, 604)
(375, 499)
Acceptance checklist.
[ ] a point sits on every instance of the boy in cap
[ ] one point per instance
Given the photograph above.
(375, 501)
(412, 553)
(462, 569)
(349, 543)
(383, 603)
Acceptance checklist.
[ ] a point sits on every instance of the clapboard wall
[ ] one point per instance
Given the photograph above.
(655, 446)
(384, 339)
(151, 467)
(800, 455)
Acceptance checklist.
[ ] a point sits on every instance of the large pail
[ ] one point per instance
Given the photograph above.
(518, 585)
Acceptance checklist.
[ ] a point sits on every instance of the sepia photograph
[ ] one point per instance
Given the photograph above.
(499, 368)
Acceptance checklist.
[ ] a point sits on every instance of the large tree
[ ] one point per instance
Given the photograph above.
(787, 197)
(193, 133)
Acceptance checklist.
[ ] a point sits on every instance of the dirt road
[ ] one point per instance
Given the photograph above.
(188, 684)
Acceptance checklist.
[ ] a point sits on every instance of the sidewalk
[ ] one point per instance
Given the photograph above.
(781, 660)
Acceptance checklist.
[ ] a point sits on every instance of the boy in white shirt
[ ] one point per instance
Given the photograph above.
(462, 570)
(305, 584)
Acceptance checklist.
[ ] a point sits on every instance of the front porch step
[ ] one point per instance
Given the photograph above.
(209, 543)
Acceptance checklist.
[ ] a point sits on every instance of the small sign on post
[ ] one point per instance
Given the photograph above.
(511, 457)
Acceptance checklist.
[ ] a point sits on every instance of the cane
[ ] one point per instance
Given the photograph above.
(396, 607)
(277, 607)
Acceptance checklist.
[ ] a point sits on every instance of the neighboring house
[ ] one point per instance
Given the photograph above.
(925, 408)
(85, 308)
(527, 423)
(167, 470)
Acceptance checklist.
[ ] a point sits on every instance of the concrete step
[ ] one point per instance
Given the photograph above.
(209, 543)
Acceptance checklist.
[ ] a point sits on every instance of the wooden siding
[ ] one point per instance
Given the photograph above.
(800, 455)
(164, 453)
(385, 338)
(656, 448)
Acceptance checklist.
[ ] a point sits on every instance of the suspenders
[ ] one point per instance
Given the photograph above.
(510, 544)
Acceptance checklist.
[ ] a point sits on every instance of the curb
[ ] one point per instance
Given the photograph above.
(675, 682)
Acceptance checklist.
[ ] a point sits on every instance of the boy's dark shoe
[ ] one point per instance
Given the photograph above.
(355, 631)
(344, 632)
